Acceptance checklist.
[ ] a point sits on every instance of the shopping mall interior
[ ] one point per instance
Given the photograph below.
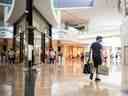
(45, 47)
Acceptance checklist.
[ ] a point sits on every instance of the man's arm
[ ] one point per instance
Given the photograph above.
(101, 53)
(90, 51)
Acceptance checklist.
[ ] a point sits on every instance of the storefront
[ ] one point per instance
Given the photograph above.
(41, 31)
(5, 43)
(6, 38)
(71, 50)
(33, 21)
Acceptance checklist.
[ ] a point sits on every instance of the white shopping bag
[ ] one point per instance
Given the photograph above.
(103, 70)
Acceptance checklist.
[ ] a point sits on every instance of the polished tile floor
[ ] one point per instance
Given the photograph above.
(56, 80)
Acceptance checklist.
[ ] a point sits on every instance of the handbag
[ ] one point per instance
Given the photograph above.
(103, 70)
(88, 67)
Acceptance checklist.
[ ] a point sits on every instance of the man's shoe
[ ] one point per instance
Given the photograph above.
(97, 79)
(91, 76)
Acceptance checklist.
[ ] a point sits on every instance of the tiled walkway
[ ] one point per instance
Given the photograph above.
(55, 80)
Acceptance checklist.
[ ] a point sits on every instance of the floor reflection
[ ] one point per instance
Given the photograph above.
(53, 80)
(7, 80)
(30, 78)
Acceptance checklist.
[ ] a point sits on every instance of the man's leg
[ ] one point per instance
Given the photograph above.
(53, 60)
(1, 59)
(13, 60)
(91, 76)
(97, 74)
(92, 72)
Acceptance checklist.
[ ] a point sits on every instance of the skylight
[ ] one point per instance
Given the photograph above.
(73, 3)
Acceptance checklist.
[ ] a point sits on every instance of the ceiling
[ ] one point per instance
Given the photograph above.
(102, 9)
(43, 6)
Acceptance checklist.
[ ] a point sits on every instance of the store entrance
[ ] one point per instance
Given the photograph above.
(73, 53)
(37, 47)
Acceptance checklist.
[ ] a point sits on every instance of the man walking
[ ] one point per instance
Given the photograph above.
(96, 49)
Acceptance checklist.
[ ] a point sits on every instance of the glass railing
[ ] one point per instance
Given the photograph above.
(2, 28)
(6, 1)
(6, 32)
(123, 7)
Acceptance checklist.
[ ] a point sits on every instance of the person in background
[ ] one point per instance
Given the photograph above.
(3, 56)
(105, 59)
(96, 50)
(60, 57)
(55, 57)
(11, 56)
(47, 56)
(51, 56)
(82, 58)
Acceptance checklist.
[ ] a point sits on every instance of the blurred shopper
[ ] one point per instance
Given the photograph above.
(117, 58)
(47, 56)
(60, 57)
(3, 55)
(105, 59)
(52, 56)
(11, 56)
(82, 58)
(96, 50)
(55, 57)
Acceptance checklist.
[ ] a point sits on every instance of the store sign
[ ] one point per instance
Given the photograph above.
(73, 3)
(59, 34)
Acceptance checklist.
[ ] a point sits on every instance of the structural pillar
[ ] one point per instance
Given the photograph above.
(29, 21)
(29, 78)
(14, 37)
(21, 47)
(43, 47)
(124, 55)
(50, 35)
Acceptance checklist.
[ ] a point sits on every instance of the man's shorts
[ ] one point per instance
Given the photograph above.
(97, 61)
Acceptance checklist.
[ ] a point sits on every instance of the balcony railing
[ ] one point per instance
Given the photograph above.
(6, 32)
(126, 7)
(6, 1)
(123, 7)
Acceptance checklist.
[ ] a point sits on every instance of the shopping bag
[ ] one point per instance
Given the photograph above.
(88, 68)
(103, 70)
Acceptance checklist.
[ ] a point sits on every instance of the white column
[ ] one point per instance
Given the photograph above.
(124, 41)
(6, 12)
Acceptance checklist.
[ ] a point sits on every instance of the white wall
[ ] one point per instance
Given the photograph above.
(105, 22)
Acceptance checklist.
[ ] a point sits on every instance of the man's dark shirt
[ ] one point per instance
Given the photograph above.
(96, 47)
